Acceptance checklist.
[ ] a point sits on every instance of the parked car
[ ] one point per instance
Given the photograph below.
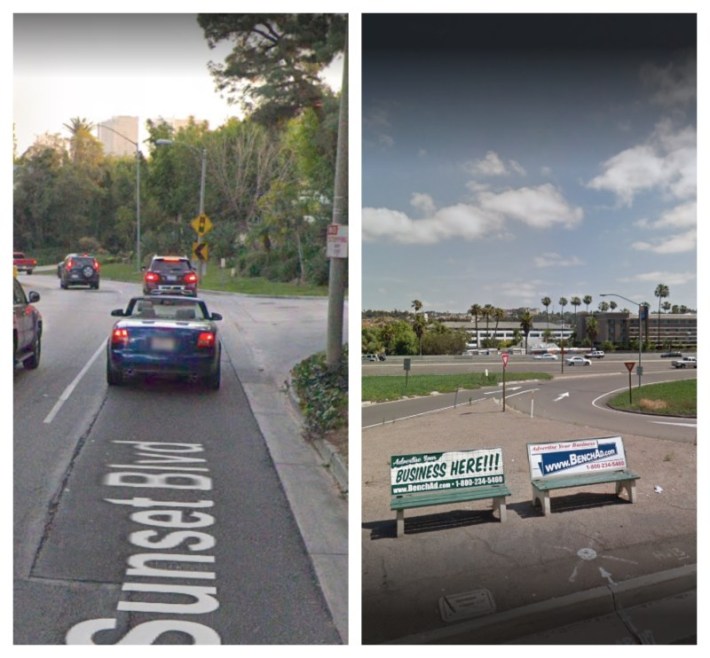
(578, 361)
(685, 362)
(546, 357)
(27, 327)
(671, 355)
(23, 263)
(374, 357)
(79, 270)
(170, 275)
(167, 336)
(595, 354)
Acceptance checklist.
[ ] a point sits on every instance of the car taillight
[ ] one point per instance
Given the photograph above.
(70, 264)
(96, 265)
(152, 277)
(119, 337)
(206, 339)
(191, 277)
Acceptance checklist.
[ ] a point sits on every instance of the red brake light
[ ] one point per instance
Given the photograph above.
(206, 339)
(191, 277)
(152, 276)
(70, 264)
(96, 265)
(119, 337)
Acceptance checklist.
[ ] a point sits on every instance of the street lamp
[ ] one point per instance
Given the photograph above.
(138, 192)
(639, 369)
(203, 153)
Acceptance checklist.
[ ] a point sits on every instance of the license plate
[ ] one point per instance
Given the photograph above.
(171, 277)
(163, 344)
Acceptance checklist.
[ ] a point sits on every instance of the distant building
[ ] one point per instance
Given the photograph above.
(119, 135)
(622, 328)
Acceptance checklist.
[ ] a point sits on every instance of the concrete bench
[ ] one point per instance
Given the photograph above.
(444, 478)
(579, 463)
(401, 502)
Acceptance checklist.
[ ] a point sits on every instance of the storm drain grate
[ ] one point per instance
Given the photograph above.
(466, 605)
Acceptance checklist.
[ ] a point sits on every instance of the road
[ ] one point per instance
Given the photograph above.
(575, 394)
(164, 513)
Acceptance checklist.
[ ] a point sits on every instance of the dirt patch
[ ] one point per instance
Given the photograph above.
(652, 405)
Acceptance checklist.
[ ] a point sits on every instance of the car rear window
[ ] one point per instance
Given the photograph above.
(160, 265)
(81, 261)
(168, 309)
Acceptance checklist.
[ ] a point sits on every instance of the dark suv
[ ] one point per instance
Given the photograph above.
(27, 327)
(170, 275)
(78, 270)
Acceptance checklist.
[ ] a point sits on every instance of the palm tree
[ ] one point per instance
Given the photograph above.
(487, 314)
(661, 292)
(416, 305)
(563, 303)
(526, 325)
(546, 301)
(612, 305)
(587, 301)
(603, 306)
(592, 328)
(419, 327)
(475, 311)
(498, 315)
(575, 301)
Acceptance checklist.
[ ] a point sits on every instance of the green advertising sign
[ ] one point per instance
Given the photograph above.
(439, 471)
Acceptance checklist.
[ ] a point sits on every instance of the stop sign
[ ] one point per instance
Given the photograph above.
(505, 357)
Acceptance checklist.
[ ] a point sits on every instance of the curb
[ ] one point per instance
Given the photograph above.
(554, 613)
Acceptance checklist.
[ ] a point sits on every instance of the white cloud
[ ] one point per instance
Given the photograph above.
(667, 278)
(539, 207)
(552, 259)
(493, 165)
(542, 207)
(424, 203)
(667, 162)
(674, 244)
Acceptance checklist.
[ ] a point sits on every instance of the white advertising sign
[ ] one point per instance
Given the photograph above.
(574, 457)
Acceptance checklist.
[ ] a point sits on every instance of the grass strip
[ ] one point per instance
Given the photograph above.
(678, 398)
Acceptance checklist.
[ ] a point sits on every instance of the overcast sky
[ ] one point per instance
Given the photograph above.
(96, 66)
(511, 157)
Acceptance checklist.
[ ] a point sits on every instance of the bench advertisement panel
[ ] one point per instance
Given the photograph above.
(441, 471)
(575, 457)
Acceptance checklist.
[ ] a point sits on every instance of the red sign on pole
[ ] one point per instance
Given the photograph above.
(630, 365)
(505, 357)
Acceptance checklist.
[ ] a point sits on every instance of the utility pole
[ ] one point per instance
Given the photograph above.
(336, 279)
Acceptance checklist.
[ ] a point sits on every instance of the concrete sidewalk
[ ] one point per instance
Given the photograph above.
(459, 575)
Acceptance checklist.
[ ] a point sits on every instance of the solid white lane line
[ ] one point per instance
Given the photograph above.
(70, 389)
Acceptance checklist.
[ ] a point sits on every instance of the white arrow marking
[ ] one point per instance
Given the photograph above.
(605, 574)
(562, 395)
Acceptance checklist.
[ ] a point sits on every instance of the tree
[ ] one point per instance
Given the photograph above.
(416, 305)
(475, 311)
(563, 303)
(487, 313)
(526, 325)
(592, 329)
(587, 299)
(276, 59)
(498, 315)
(662, 291)
(603, 306)
(575, 301)
(546, 301)
(419, 327)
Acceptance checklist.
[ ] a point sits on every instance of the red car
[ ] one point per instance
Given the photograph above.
(27, 327)
(170, 275)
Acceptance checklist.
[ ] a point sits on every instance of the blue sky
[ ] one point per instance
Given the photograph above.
(509, 157)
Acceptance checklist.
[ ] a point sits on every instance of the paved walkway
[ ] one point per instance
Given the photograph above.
(459, 563)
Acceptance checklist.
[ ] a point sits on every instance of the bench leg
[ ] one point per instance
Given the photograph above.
(630, 486)
(400, 522)
(499, 505)
(542, 497)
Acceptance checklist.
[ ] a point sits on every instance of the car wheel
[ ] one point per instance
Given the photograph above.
(95, 286)
(213, 380)
(31, 362)
(114, 376)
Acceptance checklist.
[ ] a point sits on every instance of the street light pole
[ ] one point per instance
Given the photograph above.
(203, 176)
(138, 192)
(639, 369)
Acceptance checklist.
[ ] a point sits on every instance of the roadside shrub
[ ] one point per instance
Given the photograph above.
(322, 393)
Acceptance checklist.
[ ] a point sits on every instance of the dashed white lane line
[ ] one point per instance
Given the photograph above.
(70, 389)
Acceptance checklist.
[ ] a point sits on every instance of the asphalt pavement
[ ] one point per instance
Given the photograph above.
(598, 570)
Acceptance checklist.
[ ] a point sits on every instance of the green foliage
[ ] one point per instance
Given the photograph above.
(322, 393)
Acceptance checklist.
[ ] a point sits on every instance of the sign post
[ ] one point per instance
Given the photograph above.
(505, 356)
(201, 224)
(630, 367)
(407, 364)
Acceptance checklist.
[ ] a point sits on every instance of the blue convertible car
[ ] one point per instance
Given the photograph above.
(172, 336)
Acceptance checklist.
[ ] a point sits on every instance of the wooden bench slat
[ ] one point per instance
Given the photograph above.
(566, 481)
(429, 498)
